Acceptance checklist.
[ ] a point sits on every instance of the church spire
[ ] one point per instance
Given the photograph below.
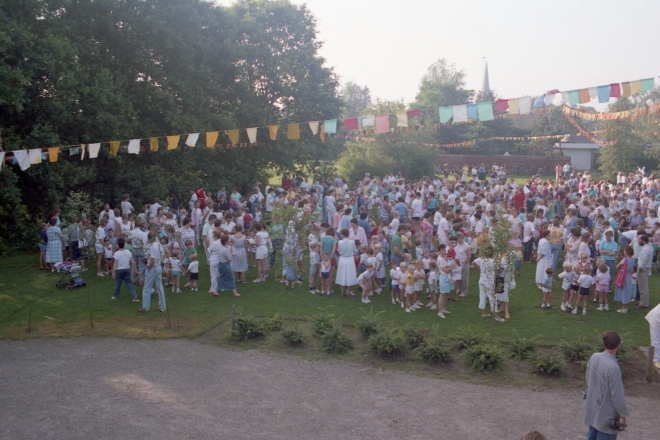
(485, 86)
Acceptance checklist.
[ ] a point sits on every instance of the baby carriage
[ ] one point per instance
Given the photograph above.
(71, 271)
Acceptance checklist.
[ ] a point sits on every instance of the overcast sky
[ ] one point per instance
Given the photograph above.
(531, 45)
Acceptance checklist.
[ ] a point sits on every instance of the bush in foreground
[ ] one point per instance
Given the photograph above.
(433, 352)
(547, 364)
(336, 342)
(484, 357)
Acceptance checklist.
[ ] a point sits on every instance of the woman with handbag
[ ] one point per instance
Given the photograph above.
(624, 287)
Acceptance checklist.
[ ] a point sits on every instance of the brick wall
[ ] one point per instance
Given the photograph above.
(508, 161)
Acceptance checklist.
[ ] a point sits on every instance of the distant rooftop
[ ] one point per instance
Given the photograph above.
(575, 139)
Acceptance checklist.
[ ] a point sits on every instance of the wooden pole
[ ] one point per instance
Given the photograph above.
(233, 316)
(649, 364)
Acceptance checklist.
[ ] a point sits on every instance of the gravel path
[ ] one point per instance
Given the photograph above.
(105, 388)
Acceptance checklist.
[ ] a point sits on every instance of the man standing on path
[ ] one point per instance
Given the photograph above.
(644, 264)
(154, 276)
(121, 270)
(605, 399)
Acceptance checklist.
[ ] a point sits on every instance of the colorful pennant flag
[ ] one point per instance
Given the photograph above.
(351, 123)
(94, 150)
(382, 124)
(615, 90)
(584, 96)
(603, 94)
(648, 85)
(502, 105)
(53, 153)
(635, 87)
(445, 113)
(330, 126)
(460, 113)
(114, 147)
(514, 108)
(173, 142)
(485, 111)
(233, 136)
(293, 131)
(574, 97)
(368, 121)
(191, 141)
(134, 146)
(83, 149)
(22, 158)
(540, 101)
(322, 134)
(412, 113)
(402, 119)
(252, 134)
(593, 93)
(472, 111)
(35, 156)
(273, 131)
(2, 159)
(314, 126)
(153, 145)
(626, 89)
(525, 105)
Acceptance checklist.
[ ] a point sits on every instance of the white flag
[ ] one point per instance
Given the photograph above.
(252, 134)
(134, 146)
(314, 126)
(192, 139)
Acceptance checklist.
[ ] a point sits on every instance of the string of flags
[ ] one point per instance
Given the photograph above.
(378, 124)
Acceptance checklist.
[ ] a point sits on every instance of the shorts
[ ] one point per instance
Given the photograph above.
(325, 275)
(99, 248)
(426, 271)
(585, 291)
(546, 290)
(109, 259)
(313, 269)
(176, 273)
(417, 218)
(43, 247)
(194, 276)
(575, 287)
(410, 290)
(456, 276)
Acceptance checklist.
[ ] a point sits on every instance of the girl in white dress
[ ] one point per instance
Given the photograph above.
(262, 241)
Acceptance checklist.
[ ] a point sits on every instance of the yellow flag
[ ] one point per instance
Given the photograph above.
(293, 131)
(114, 147)
(626, 90)
(211, 137)
(233, 136)
(153, 144)
(322, 133)
(273, 132)
(173, 142)
(52, 153)
(636, 87)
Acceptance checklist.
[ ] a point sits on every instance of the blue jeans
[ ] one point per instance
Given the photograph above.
(594, 434)
(528, 250)
(556, 254)
(125, 276)
(154, 280)
(612, 265)
(138, 254)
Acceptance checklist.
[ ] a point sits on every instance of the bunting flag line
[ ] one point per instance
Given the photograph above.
(172, 142)
(22, 159)
(211, 138)
(252, 134)
(382, 124)
(460, 113)
(35, 156)
(153, 144)
(53, 152)
(191, 141)
(330, 126)
(402, 119)
(114, 147)
(367, 121)
(94, 150)
(293, 131)
(233, 136)
(273, 131)
(313, 125)
(134, 146)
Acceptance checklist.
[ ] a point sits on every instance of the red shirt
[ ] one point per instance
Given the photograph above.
(518, 200)
(202, 198)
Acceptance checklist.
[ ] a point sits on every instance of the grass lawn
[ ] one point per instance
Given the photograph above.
(62, 313)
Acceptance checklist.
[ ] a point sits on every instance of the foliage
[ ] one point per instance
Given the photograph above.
(335, 342)
(323, 322)
(369, 324)
(442, 85)
(79, 203)
(135, 75)
(578, 349)
(465, 338)
(547, 364)
(14, 216)
(484, 357)
(432, 351)
(293, 336)
(356, 98)
(249, 327)
(522, 348)
(274, 323)
(413, 337)
(386, 343)
(628, 151)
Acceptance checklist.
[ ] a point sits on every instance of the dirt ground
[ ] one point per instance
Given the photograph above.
(98, 388)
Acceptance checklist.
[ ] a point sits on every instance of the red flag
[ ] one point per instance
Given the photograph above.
(351, 123)
(414, 113)
(502, 105)
(615, 90)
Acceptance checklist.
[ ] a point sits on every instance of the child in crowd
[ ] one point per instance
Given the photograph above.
(175, 266)
(567, 277)
(325, 274)
(426, 259)
(167, 269)
(403, 270)
(546, 288)
(193, 273)
(364, 280)
(188, 251)
(394, 283)
(410, 288)
(257, 215)
(314, 266)
(420, 277)
(419, 250)
(602, 280)
(456, 270)
(379, 270)
(433, 284)
(585, 281)
(107, 254)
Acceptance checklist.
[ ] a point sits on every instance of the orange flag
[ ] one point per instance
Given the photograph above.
(114, 147)
(584, 96)
(233, 136)
(211, 137)
(293, 131)
(322, 134)
(153, 144)
(173, 142)
(273, 132)
(52, 153)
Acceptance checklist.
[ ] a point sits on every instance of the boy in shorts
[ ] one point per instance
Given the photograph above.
(584, 282)
(193, 273)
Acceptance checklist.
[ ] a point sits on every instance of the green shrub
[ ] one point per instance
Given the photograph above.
(386, 343)
(522, 348)
(249, 327)
(323, 322)
(275, 323)
(336, 342)
(484, 357)
(547, 364)
(577, 350)
(293, 336)
(466, 338)
(433, 352)
(369, 325)
(412, 337)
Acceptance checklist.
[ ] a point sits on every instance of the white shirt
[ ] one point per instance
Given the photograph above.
(437, 218)
(417, 208)
(462, 251)
(138, 238)
(528, 231)
(110, 212)
(100, 235)
(126, 208)
(155, 252)
(193, 267)
(123, 259)
(153, 210)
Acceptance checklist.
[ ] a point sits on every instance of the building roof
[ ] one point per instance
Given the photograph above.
(575, 139)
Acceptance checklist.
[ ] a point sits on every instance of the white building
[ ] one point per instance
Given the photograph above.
(581, 151)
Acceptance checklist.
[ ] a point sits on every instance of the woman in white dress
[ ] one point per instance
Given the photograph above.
(346, 272)
(214, 251)
(262, 240)
(543, 258)
(330, 207)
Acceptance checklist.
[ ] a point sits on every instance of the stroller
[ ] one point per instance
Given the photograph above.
(70, 270)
